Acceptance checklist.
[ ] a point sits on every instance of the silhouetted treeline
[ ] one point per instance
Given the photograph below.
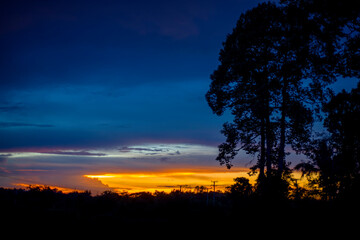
(50, 206)
(241, 205)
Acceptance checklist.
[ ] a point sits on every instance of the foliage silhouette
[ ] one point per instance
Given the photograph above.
(273, 75)
(241, 189)
(334, 169)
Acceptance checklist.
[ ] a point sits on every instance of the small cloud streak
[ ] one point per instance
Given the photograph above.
(139, 149)
(22, 124)
(150, 151)
(11, 108)
(75, 153)
(3, 157)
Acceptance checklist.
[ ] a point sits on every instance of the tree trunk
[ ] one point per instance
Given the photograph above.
(281, 160)
(268, 146)
(281, 155)
(268, 132)
(262, 150)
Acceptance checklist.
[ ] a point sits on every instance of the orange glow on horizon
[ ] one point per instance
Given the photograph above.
(168, 180)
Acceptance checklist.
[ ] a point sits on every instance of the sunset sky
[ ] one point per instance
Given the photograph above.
(110, 95)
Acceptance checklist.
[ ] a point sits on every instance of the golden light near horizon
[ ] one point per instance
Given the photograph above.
(167, 181)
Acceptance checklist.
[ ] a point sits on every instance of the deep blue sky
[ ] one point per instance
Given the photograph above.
(80, 74)
(101, 86)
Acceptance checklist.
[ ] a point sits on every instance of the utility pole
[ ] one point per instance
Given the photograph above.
(207, 196)
(214, 182)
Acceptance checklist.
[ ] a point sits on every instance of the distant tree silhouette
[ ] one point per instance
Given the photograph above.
(334, 169)
(343, 122)
(241, 189)
(200, 189)
(320, 170)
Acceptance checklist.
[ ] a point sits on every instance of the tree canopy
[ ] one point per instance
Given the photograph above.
(273, 75)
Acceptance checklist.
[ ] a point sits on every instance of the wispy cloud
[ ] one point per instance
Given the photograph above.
(140, 149)
(175, 153)
(22, 124)
(150, 150)
(75, 153)
(10, 108)
(109, 125)
(3, 157)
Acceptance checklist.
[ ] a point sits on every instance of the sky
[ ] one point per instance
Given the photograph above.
(99, 95)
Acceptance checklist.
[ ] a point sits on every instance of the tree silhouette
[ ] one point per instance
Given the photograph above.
(343, 119)
(334, 169)
(272, 80)
(241, 189)
(234, 87)
(243, 83)
(320, 170)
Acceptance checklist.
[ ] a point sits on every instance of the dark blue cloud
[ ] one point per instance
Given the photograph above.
(75, 153)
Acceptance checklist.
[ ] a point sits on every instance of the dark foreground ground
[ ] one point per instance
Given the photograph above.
(202, 212)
